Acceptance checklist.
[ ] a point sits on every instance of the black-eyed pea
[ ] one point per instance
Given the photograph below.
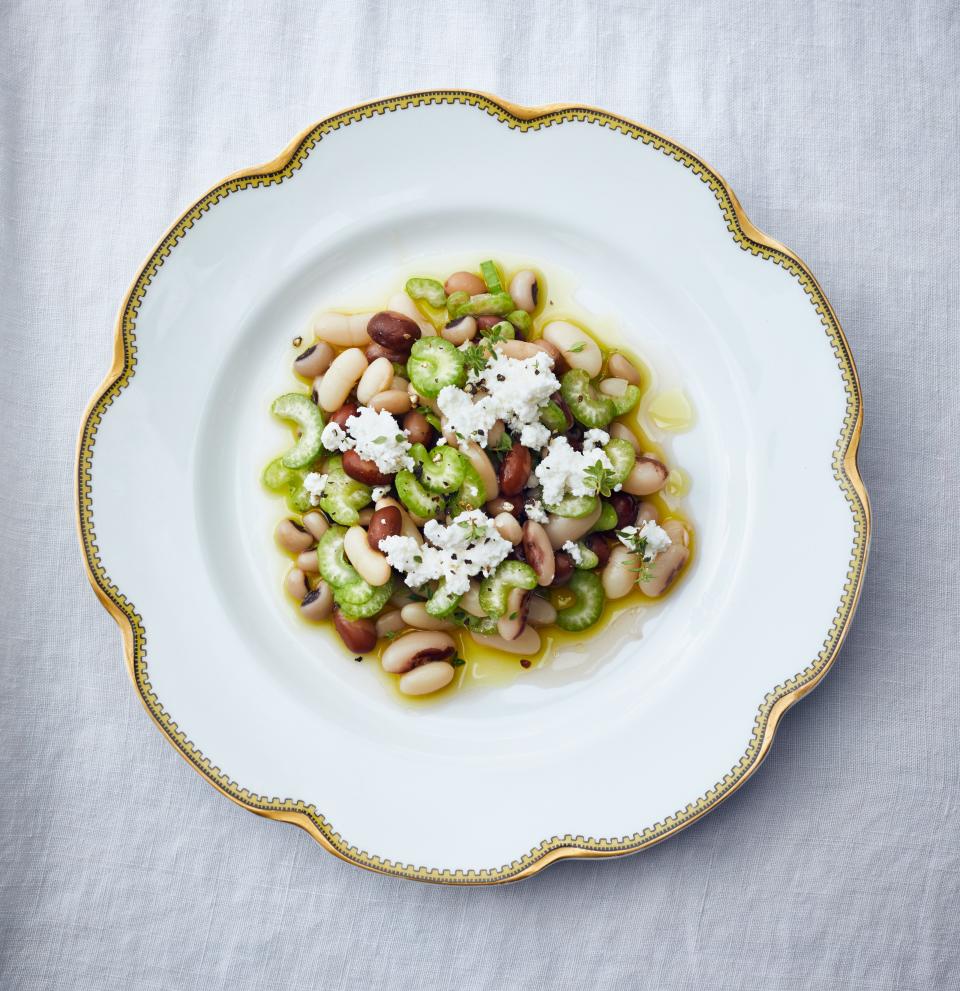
(460, 331)
(316, 523)
(314, 361)
(317, 604)
(525, 290)
(295, 584)
(293, 537)
(308, 562)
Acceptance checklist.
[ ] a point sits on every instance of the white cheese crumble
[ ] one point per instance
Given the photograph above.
(378, 492)
(536, 512)
(563, 470)
(574, 550)
(375, 436)
(314, 483)
(652, 537)
(468, 546)
(516, 390)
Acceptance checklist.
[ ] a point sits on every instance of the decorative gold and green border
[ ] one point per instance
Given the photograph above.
(776, 702)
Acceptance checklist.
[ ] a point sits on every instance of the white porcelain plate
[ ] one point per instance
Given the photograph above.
(492, 785)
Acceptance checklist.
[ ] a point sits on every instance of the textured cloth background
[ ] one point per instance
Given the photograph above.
(838, 865)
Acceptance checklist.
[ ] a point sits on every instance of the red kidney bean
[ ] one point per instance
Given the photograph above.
(625, 506)
(386, 522)
(514, 470)
(343, 414)
(393, 331)
(362, 470)
(563, 568)
(359, 635)
(600, 546)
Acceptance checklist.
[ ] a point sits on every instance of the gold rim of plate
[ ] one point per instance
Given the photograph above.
(776, 702)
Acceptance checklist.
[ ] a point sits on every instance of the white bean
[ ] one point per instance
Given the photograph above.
(663, 570)
(647, 476)
(520, 350)
(420, 647)
(340, 378)
(567, 339)
(478, 458)
(377, 377)
(415, 614)
(509, 528)
(396, 401)
(389, 622)
(527, 643)
(623, 368)
(620, 572)
(427, 678)
(560, 529)
(371, 564)
(541, 612)
(623, 432)
(344, 330)
(613, 387)
(470, 602)
(400, 302)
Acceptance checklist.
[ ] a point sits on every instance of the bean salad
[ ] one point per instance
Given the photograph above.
(464, 468)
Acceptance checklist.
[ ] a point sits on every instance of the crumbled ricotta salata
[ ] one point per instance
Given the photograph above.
(314, 483)
(563, 470)
(536, 512)
(375, 436)
(574, 551)
(516, 390)
(469, 545)
(378, 492)
(652, 537)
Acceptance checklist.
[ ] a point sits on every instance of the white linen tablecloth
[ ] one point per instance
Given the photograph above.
(838, 865)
